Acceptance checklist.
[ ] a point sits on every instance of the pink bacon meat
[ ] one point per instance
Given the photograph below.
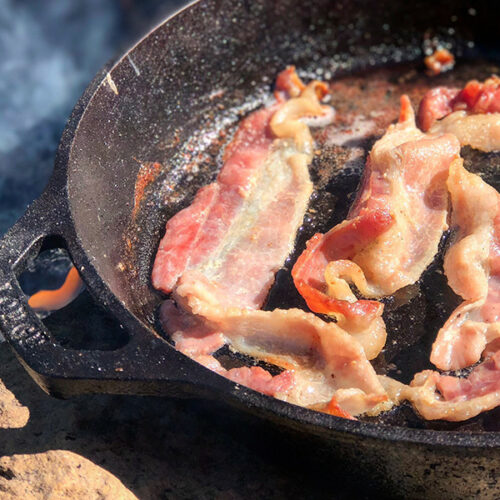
(472, 266)
(250, 215)
(471, 113)
(391, 234)
(196, 338)
(220, 254)
(324, 364)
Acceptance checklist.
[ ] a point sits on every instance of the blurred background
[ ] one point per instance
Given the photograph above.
(49, 52)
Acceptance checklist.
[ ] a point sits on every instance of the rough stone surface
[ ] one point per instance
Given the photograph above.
(150, 448)
(12, 413)
(57, 474)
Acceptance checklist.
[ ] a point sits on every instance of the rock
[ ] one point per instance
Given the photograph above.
(13, 415)
(57, 474)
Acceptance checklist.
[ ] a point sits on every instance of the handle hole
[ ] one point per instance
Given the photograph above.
(47, 271)
(81, 324)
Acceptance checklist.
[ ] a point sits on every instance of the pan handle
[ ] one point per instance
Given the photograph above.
(146, 365)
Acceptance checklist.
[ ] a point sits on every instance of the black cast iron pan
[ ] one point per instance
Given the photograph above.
(174, 99)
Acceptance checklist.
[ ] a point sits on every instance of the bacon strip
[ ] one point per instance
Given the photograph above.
(392, 231)
(472, 266)
(323, 358)
(471, 114)
(220, 254)
(442, 397)
(250, 215)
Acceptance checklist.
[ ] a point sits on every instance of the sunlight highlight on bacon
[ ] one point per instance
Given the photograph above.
(472, 268)
(391, 234)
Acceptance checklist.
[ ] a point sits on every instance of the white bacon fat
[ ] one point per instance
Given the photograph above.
(472, 114)
(472, 266)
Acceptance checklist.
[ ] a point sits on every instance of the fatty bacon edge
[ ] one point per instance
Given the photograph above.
(472, 114)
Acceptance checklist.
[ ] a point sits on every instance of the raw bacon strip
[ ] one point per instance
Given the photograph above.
(442, 397)
(324, 359)
(392, 231)
(249, 217)
(197, 339)
(472, 266)
(218, 288)
(472, 114)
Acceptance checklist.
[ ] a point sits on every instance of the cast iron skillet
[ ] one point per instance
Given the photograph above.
(200, 71)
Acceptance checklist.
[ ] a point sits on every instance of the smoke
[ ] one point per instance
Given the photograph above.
(48, 52)
(42, 65)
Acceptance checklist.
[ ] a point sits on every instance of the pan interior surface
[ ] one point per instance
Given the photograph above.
(154, 132)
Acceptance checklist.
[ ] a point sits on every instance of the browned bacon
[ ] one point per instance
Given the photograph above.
(392, 231)
(471, 113)
(440, 61)
(472, 266)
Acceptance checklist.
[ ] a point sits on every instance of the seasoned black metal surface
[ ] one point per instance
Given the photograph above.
(366, 102)
(174, 101)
